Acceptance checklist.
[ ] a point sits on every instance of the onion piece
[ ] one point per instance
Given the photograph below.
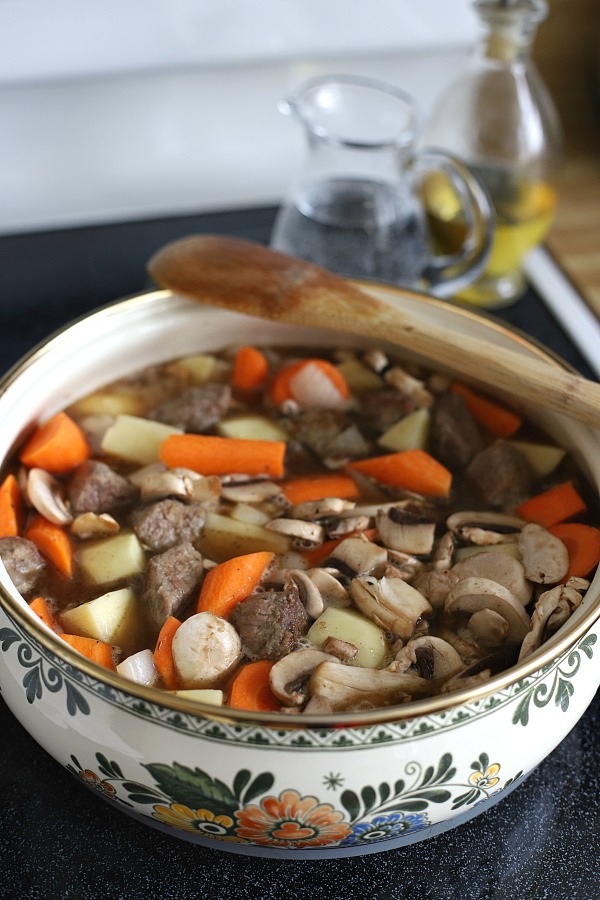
(310, 386)
(139, 667)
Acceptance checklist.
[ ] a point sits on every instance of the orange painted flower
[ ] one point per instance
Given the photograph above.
(196, 821)
(291, 821)
(103, 787)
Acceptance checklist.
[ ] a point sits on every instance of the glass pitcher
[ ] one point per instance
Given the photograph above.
(355, 207)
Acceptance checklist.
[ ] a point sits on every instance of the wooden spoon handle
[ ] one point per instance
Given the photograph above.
(252, 279)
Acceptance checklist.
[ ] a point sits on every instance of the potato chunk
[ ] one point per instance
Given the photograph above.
(115, 617)
(224, 537)
(111, 559)
(135, 439)
(354, 628)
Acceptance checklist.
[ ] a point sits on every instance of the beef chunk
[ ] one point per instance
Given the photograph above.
(382, 409)
(500, 475)
(270, 624)
(196, 409)
(454, 434)
(170, 581)
(95, 487)
(24, 562)
(317, 429)
(162, 525)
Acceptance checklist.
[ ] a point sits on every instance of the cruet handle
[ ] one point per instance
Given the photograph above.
(447, 274)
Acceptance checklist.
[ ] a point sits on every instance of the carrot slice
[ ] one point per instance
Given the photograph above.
(280, 389)
(583, 545)
(54, 542)
(232, 581)
(498, 420)
(250, 369)
(41, 608)
(316, 487)
(413, 470)
(251, 689)
(553, 506)
(98, 651)
(210, 455)
(57, 446)
(11, 507)
(163, 654)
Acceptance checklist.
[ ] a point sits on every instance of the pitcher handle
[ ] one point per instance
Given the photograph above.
(445, 275)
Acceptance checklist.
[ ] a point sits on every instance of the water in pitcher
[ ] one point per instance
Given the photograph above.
(356, 227)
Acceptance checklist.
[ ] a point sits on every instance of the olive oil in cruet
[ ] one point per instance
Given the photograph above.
(499, 117)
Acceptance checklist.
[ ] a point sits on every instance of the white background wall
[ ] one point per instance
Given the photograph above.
(122, 109)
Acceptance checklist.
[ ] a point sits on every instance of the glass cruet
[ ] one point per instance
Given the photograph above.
(499, 117)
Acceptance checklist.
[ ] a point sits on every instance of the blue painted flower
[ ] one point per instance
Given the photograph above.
(382, 828)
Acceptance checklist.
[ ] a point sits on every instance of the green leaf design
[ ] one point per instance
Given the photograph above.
(142, 792)
(261, 784)
(76, 702)
(8, 637)
(384, 792)
(108, 768)
(32, 683)
(587, 644)
(561, 689)
(193, 787)
(240, 781)
(351, 804)
(445, 771)
(369, 798)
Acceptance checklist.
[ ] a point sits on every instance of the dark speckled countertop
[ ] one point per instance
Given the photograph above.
(57, 840)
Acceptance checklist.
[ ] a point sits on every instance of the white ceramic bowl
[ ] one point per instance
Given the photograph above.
(267, 784)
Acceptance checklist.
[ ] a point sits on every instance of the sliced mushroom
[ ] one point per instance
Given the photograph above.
(389, 602)
(44, 492)
(351, 525)
(443, 551)
(206, 649)
(343, 650)
(92, 525)
(353, 687)
(406, 565)
(489, 628)
(333, 592)
(545, 557)
(435, 585)
(305, 534)
(359, 555)
(499, 567)
(321, 509)
(565, 598)
(205, 488)
(484, 528)
(405, 527)
(433, 658)
(157, 485)
(407, 384)
(473, 594)
(462, 681)
(253, 492)
(308, 591)
(289, 676)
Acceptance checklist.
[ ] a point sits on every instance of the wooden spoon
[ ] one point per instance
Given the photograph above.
(249, 278)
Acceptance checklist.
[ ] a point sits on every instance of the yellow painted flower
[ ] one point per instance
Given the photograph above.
(196, 821)
(291, 821)
(487, 779)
